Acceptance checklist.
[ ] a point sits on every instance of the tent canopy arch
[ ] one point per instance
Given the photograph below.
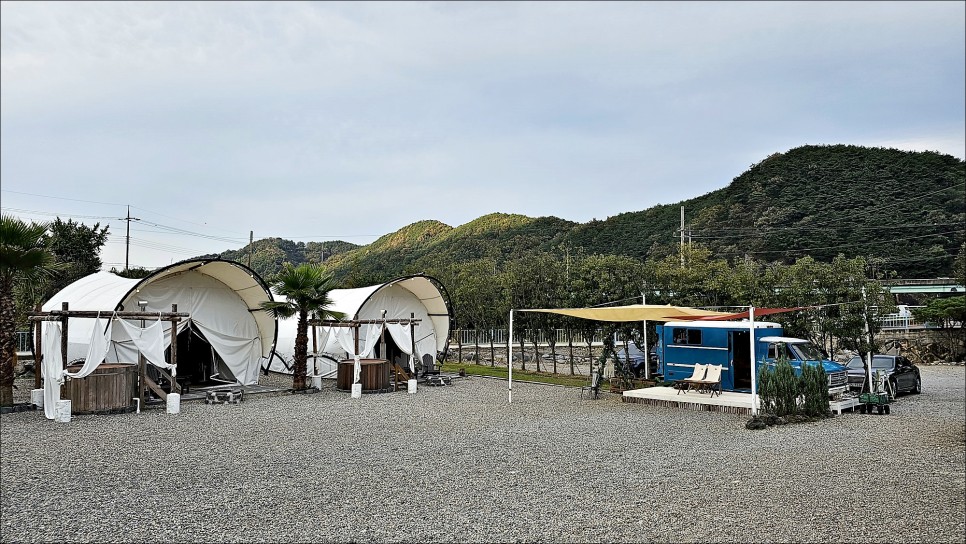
(223, 299)
(418, 296)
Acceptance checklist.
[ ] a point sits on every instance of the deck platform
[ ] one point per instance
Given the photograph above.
(728, 402)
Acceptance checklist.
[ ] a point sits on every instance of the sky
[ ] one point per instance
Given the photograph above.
(347, 121)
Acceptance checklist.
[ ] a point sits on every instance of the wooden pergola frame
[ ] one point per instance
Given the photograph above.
(356, 324)
(65, 313)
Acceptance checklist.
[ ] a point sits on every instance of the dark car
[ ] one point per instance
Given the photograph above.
(902, 374)
(636, 359)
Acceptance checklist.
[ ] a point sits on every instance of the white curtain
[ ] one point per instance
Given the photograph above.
(322, 338)
(53, 365)
(149, 341)
(346, 338)
(96, 351)
(402, 336)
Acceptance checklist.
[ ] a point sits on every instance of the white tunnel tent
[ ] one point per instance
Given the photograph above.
(418, 296)
(225, 338)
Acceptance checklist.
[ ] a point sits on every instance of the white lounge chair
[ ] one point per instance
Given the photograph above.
(711, 381)
(695, 377)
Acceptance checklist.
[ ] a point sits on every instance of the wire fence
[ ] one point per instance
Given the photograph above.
(471, 337)
(24, 341)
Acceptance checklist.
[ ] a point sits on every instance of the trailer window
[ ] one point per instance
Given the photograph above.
(691, 337)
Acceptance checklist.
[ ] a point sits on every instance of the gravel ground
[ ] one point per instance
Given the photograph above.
(458, 464)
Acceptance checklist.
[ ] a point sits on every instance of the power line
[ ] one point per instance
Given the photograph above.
(62, 198)
(52, 214)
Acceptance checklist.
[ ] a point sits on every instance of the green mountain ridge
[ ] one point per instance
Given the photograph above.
(904, 211)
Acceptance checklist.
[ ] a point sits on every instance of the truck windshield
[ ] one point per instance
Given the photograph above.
(807, 352)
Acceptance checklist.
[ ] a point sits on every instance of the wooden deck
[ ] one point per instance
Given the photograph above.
(728, 402)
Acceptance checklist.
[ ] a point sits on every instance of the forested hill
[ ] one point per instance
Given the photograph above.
(904, 211)
(268, 255)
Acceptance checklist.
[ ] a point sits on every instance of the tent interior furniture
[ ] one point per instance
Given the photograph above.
(695, 378)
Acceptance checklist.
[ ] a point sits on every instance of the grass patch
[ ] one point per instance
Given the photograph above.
(473, 369)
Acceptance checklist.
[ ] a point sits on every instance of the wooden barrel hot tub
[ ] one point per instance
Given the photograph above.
(374, 376)
(111, 388)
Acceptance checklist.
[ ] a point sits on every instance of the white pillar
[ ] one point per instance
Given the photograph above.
(509, 364)
(62, 411)
(173, 404)
(754, 369)
(647, 352)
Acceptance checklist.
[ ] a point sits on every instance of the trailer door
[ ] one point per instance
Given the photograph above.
(740, 358)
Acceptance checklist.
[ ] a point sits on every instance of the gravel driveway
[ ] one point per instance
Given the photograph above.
(458, 464)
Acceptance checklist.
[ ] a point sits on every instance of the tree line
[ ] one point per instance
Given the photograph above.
(838, 295)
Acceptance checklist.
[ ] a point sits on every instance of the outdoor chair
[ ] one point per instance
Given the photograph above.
(711, 381)
(595, 381)
(695, 377)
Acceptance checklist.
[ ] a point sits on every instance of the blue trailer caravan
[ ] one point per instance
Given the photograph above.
(683, 344)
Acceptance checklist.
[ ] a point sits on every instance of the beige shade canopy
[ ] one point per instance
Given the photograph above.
(633, 312)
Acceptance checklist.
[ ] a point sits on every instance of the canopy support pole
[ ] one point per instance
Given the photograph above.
(647, 352)
(509, 364)
(38, 350)
(754, 364)
(412, 354)
(868, 335)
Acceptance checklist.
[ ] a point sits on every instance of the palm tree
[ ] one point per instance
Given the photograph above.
(306, 289)
(25, 262)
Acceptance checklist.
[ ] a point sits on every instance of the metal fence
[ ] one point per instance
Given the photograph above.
(24, 341)
(471, 337)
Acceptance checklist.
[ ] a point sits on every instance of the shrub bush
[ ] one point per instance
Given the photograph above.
(782, 394)
(814, 383)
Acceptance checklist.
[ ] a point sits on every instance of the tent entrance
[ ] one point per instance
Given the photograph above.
(198, 362)
(388, 350)
(740, 359)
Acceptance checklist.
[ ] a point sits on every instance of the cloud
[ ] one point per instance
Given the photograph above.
(449, 110)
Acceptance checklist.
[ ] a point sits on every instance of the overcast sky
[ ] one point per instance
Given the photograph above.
(324, 121)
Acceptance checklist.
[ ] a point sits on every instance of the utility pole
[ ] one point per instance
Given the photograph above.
(127, 240)
(682, 237)
(251, 246)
